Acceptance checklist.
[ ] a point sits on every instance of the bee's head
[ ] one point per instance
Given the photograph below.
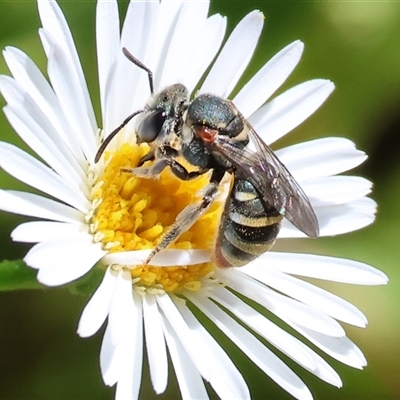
(163, 110)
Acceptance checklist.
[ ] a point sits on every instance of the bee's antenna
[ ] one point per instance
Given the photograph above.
(107, 140)
(138, 63)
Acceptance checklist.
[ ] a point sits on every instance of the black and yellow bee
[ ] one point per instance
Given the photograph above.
(211, 134)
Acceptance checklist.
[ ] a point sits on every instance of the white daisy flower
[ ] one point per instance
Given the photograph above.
(92, 213)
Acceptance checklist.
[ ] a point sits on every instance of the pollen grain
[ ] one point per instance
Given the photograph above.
(133, 213)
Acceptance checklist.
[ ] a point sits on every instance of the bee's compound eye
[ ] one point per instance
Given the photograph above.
(151, 127)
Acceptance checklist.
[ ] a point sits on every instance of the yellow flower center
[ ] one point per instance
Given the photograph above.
(134, 213)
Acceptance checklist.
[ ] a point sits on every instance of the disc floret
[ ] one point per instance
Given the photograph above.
(133, 213)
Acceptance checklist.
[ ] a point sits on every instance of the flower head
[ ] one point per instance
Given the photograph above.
(102, 212)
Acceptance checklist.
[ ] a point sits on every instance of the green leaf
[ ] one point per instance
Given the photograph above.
(16, 275)
(88, 283)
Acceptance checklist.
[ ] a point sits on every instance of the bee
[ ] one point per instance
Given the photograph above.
(212, 135)
(159, 124)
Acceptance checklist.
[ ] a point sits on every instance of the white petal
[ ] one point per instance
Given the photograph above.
(62, 261)
(204, 48)
(225, 379)
(191, 385)
(107, 41)
(155, 344)
(322, 267)
(183, 332)
(34, 128)
(325, 372)
(337, 219)
(336, 189)
(282, 340)
(290, 109)
(307, 293)
(27, 169)
(33, 205)
(320, 157)
(117, 320)
(191, 18)
(268, 79)
(68, 90)
(96, 311)
(282, 306)
(53, 21)
(253, 348)
(234, 56)
(38, 231)
(131, 379)
(29, 77)
(342, 349)
(340, 219)
(166, 258)
(113, 359)
(168, 15)
(124, 95)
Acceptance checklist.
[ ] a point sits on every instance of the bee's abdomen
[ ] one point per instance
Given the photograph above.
(247, 227)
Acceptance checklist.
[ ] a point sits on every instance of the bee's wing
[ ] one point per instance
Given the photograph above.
(271, 179)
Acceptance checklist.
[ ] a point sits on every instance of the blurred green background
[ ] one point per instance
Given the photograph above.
(356, 45)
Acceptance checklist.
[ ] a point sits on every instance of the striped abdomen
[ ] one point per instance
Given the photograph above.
(247, 227)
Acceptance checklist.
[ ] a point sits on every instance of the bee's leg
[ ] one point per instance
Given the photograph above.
(190, 214)
(165, 157)
(148, 157)
(186, 218)
(152, 172)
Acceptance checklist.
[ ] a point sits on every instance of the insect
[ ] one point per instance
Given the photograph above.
(212, 135)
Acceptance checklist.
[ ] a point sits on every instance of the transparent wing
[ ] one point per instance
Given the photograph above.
(272, 180)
